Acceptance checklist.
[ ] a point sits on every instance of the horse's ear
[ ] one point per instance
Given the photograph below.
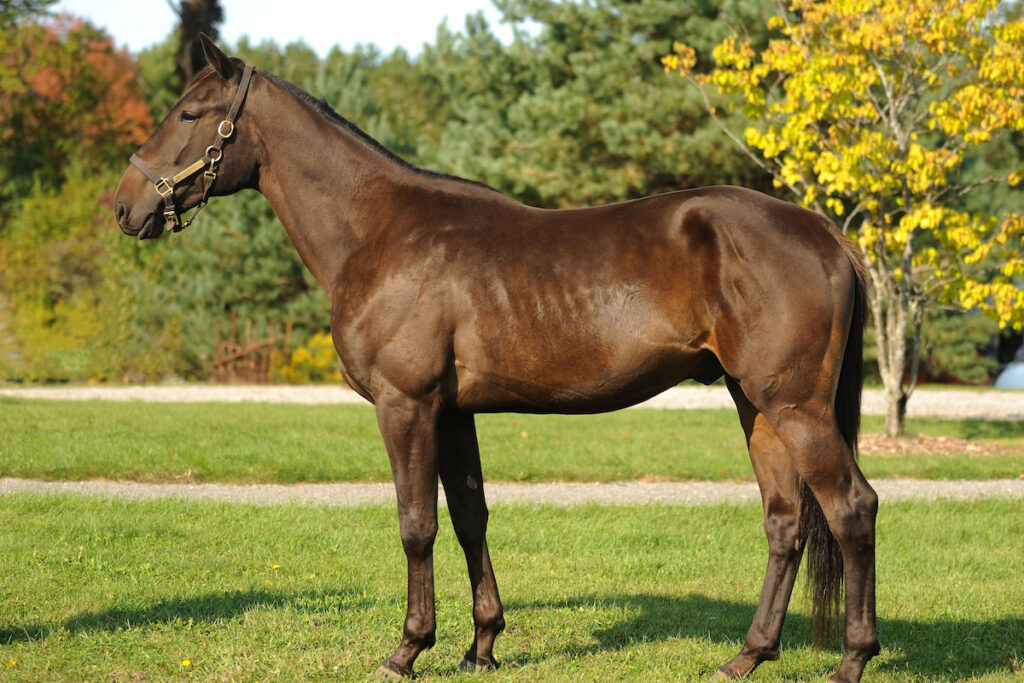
(220, 62)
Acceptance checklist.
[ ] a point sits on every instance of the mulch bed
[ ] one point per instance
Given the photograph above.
(880, 444)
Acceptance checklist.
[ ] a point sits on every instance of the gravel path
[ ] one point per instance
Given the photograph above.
(955, 403)
(562, 494)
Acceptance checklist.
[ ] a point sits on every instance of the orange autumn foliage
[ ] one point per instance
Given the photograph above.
(66, 92)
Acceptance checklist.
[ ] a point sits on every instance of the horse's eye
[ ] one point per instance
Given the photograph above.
(188, 117)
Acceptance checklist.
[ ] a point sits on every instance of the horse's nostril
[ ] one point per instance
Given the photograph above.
(119, 210)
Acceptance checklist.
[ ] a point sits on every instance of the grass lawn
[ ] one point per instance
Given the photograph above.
(94, 589)
(292, 443)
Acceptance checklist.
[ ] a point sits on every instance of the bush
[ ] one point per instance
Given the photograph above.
(79, 300)
(316, 362)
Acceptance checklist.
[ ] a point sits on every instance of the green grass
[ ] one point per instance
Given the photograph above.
(96, 589)
(289, 443)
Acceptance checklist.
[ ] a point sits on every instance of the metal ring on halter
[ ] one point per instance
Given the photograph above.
(209, 154)
(230, 130)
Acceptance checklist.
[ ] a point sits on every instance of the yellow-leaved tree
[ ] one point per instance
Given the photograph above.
(866, 110)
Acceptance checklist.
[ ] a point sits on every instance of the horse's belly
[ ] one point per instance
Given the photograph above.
(579, 383)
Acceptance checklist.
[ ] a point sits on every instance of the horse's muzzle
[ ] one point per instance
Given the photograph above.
(151, 228)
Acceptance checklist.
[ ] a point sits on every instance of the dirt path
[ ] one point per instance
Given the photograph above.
(956, 403)
(563, 494)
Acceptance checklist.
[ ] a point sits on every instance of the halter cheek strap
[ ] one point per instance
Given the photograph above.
(214, 153)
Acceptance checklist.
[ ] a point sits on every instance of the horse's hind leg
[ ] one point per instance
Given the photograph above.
(780, 495)
(825, 462)
(459, 466)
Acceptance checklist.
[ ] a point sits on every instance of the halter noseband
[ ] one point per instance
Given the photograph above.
(214, 153)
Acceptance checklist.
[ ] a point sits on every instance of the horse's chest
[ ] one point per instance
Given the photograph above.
(405, 352)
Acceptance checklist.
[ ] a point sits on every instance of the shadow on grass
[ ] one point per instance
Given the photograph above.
(208, 608)
(943, 650)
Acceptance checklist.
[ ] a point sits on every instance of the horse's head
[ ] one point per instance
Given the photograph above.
(195, 152)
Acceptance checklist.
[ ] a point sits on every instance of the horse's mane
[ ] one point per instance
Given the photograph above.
(321, 106)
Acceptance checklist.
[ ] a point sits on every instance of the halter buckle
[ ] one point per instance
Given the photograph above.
(163, 187)
(172, 219)
(225, 133)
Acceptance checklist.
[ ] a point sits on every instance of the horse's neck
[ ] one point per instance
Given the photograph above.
(326, 186)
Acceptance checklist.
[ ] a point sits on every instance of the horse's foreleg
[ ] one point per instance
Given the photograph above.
(780, 494)
(459, 464)
(409, 430)
(850, 506)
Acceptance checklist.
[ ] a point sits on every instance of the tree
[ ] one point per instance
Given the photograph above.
(158, 78)
(1010, 10)
(866, 111)
(14, 11)
(67, 94)
(580, 112)
(78, 301)
(236, 260)
(194, 17)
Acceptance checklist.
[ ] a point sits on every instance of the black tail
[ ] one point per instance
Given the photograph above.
(824, 559)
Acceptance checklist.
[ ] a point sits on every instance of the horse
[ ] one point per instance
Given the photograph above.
(449, 299)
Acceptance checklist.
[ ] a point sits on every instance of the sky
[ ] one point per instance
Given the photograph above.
(319, 23)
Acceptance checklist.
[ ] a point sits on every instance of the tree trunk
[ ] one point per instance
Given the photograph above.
(895, 411)
(194, 16)
(890, 320)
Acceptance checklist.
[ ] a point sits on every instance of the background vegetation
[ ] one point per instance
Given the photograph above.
(576, 112)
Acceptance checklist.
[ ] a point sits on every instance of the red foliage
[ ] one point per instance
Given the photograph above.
(67, 93)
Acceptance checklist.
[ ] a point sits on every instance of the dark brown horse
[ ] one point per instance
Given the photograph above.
(450, 299)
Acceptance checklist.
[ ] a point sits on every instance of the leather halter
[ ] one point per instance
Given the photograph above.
(214, 153)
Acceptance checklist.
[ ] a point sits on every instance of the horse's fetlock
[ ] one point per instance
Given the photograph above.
(490, 618)
(491, 626)
(420, 636)
(761, 647)
(860, 647)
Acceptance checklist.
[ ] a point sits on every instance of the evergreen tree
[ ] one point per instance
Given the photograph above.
(14, 11)
(582, 112)
(194, 17)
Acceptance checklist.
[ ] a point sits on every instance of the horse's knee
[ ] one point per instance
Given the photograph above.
(418, 535)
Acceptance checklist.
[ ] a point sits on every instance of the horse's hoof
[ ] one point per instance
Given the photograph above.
(388, 671)
(472, 664)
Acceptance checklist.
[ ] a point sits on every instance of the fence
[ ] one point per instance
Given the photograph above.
(246, 360)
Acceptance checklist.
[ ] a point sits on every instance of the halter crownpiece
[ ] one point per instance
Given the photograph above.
(214, 153)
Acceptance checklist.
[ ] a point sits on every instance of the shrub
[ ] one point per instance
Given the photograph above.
(314, 363)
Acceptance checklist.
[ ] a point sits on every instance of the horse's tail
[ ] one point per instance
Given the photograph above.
(824, 558)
